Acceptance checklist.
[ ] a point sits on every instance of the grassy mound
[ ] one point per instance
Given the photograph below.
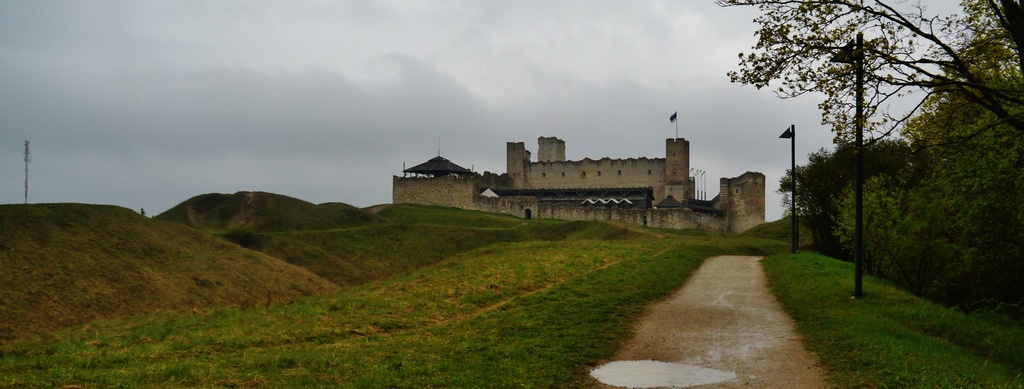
(412, 236)
(261, 211)
(68, 264)
(780, 230)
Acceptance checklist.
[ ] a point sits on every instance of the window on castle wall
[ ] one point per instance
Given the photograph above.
(583, 174)
(648, 172)
(599, 173)
(620, 172)
(543, 174)
(737, 190)
(563, 174)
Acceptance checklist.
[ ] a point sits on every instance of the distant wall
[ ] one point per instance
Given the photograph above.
(669, 175)
(448, 191)
(524, 207)
(654, 218)
(602, 173)
(460, 192)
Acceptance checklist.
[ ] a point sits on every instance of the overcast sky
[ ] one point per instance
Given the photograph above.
(144, 104)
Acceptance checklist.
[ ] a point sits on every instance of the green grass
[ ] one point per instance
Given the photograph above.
(890, 338)
(413, 236)
(516, 314)
(780, 230)
(68, 264)
(458, 299)
(442, 216)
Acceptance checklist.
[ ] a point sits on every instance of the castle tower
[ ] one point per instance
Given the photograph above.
(742, 199)
(517, 159)
(677, 169)
(550, 149)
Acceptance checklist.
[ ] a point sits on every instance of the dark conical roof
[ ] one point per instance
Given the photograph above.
(669, 202)
(437, 166)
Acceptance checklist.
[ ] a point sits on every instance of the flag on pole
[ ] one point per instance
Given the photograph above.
(672, 119)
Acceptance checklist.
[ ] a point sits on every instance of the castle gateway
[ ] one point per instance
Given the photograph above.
(651, 192)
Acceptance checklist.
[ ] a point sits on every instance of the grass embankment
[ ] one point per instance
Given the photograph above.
(890, 338)
(403, 238)
(68, 264)
(781, 230)
(516, 314)
(262, 211)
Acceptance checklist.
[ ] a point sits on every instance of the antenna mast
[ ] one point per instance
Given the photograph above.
(27, 160)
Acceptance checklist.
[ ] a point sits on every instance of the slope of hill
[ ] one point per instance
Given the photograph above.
(261, 211)
(67, 264)
(780, 230)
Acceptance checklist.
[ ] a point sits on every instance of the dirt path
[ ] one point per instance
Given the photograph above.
(723, 329)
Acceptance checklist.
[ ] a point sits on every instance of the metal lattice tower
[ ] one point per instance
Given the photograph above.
(27, 160)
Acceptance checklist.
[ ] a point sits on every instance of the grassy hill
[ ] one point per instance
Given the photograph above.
(261, 211)
(469, 299)
(68, 264)
(780, 230)
(349, 246)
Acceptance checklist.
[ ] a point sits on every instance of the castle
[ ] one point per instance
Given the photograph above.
(650, 192)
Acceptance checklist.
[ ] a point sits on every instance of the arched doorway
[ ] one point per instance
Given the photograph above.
(528, 214)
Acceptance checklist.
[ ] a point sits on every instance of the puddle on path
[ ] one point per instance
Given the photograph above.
(653, 374)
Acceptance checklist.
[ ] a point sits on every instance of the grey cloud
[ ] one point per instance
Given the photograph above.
(146, 104)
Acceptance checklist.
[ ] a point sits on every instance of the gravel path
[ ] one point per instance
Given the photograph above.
(723, 329)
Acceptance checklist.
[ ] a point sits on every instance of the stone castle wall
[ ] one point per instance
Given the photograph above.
(669, 175)
(679, 218)
(448, 191)
(460, 192)
(741, 198)
(602, 173)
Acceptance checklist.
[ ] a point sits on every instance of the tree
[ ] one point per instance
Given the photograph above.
(827, 176)
(976, 56)
(950, 227)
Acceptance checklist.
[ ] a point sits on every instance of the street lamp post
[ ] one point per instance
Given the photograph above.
(791, 135)
(853, 53)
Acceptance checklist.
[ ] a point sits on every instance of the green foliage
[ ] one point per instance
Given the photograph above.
(890, 338)
(904, 235)
(822, 182)
(975, 55)
(955, 236)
